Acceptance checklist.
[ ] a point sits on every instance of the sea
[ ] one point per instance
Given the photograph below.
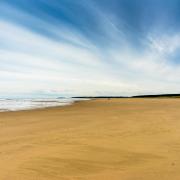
(18, 104)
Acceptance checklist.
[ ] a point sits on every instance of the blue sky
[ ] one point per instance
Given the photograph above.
(89, 47)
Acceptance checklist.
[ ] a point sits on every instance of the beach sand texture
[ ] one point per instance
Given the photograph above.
(116, 139)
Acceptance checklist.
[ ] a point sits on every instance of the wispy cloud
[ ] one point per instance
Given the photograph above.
(56, 52)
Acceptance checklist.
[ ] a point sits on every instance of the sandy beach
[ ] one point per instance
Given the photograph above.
(116, 139)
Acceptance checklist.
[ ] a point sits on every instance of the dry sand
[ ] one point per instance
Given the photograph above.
(118, 139)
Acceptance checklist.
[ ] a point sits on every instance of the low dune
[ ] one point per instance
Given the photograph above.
(102, 139)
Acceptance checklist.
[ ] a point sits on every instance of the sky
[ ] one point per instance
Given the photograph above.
(52, 48)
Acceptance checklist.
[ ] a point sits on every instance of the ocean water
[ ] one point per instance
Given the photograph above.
(27, 104)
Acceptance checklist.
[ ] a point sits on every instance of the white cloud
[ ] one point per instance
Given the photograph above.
(74, 65)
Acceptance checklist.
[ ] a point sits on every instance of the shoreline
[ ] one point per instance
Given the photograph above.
(35, 104)
(43, 109)
(81, 99)
(84, 99)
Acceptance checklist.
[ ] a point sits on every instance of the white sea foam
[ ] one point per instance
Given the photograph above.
(27, 104)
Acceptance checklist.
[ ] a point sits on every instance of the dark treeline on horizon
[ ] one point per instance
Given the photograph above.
(137, 96)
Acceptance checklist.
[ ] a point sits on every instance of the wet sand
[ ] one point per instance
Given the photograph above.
(117, 139)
